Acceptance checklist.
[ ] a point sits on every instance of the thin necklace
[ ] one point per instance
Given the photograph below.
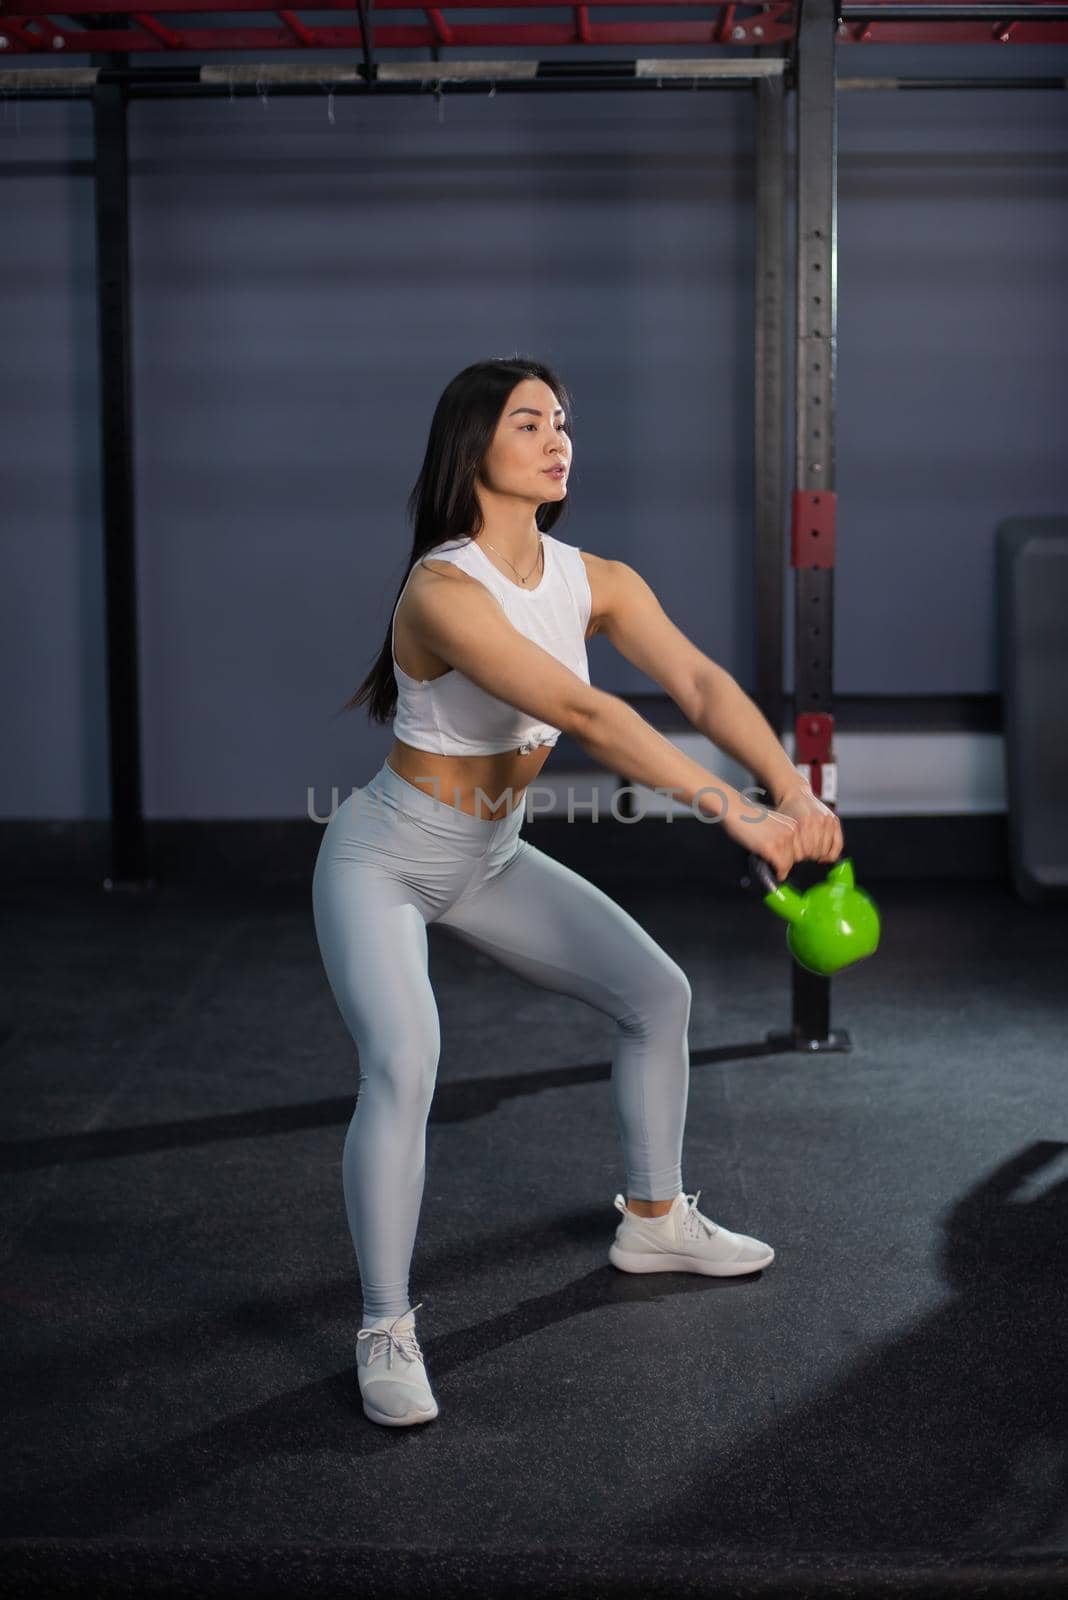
(537, 558)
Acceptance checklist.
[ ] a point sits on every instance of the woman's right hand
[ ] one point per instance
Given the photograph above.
(768, 834)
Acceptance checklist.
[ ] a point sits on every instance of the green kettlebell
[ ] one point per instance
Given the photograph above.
(832, 925)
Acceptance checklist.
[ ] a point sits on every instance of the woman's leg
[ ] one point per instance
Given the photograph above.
(371, 929)
(557, 930)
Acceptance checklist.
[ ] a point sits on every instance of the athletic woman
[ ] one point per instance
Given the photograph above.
(483, 667)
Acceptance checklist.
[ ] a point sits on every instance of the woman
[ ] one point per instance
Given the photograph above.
(483, 666)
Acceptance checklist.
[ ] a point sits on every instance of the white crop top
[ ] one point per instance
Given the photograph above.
(450, 715)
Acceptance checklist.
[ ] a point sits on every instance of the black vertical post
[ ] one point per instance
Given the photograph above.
(128, 854)
(769, 420)
(814, 498)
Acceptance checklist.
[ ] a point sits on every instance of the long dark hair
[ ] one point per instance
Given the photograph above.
(443, 504)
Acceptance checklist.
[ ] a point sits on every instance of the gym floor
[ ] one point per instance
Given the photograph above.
(885, 1404)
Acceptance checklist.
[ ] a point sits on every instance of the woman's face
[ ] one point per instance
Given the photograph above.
(531, 437)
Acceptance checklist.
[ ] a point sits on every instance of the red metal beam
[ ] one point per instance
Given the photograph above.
(33, 31)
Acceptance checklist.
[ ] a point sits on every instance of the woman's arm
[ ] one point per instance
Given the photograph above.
(621, 740)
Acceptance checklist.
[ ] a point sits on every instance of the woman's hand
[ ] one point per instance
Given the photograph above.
(819, 830)
(769, 834)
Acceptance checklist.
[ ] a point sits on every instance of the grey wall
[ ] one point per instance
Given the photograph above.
(308, 274)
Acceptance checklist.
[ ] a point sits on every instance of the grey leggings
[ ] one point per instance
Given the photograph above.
(392, 860)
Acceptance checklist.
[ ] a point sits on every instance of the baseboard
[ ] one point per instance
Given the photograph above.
(272, 854)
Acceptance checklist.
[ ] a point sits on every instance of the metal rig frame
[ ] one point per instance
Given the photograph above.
(794, 47)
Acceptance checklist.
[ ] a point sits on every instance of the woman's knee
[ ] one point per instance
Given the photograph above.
(677, 988)
(404, 1076)
(662, 994)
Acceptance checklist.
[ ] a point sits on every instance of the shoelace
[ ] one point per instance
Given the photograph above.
(693, 1221)
(406, 1343)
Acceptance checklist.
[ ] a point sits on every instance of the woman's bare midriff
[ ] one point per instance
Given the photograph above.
(503, 778)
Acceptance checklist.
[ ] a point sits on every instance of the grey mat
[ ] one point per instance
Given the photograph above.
(179, 1297)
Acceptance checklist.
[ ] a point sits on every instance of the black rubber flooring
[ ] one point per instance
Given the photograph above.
(882, 1411)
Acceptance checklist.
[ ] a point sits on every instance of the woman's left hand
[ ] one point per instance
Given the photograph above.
(820, 832)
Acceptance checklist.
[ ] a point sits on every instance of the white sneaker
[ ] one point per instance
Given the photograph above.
(684, 1241)
(393, 1380)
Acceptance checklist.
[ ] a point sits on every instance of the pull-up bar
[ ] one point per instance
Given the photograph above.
(460, 77)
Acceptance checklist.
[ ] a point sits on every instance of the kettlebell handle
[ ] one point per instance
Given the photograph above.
(761, 870)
